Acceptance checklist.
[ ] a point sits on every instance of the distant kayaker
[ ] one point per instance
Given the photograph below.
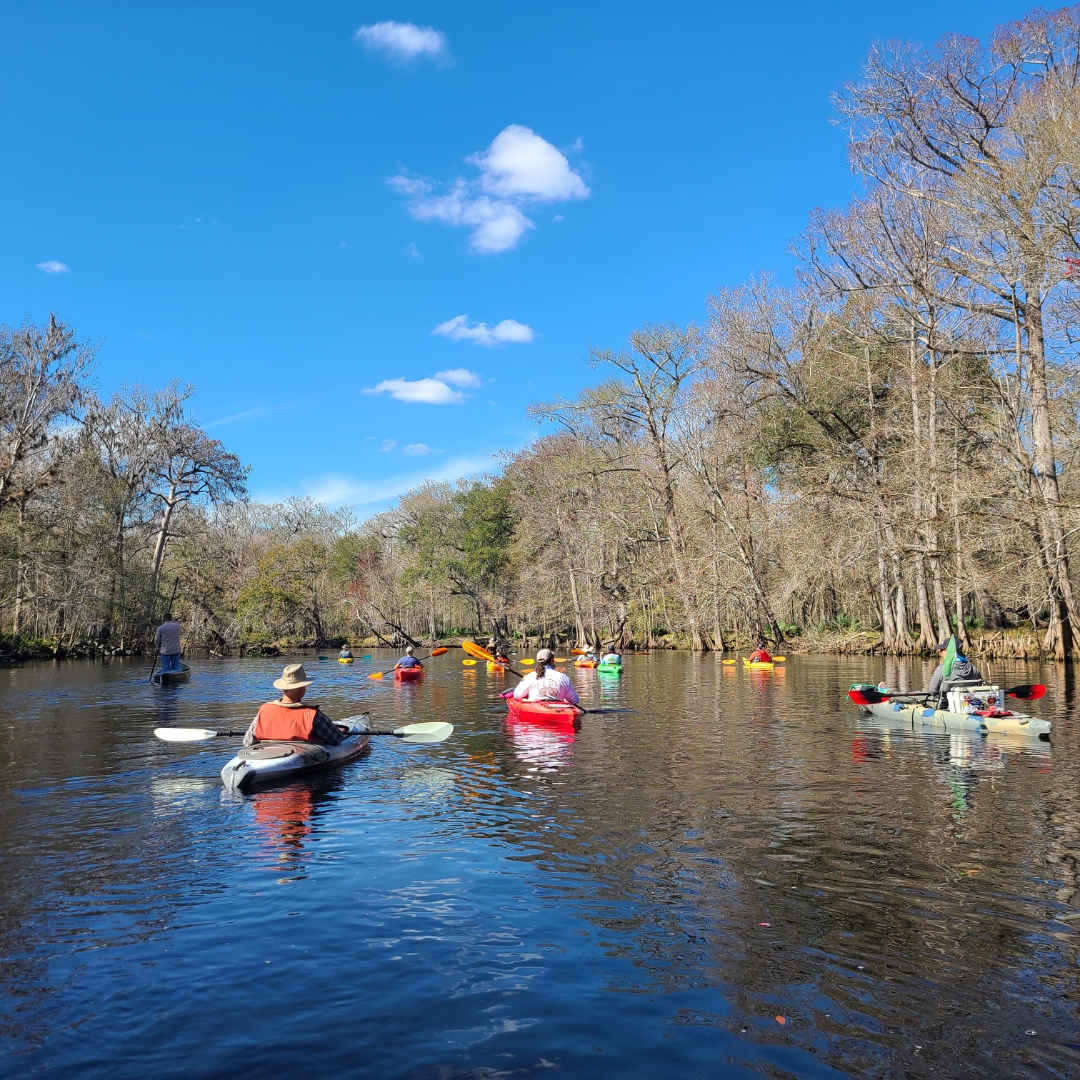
(760, 655)
(500, 654)
(544, 683)
(408, 660)
(611, 658)
(962, 668)
(345, 654)
(289, 718)
(167, 643)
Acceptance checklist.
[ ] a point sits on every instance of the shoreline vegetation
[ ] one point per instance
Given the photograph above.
(873, 457)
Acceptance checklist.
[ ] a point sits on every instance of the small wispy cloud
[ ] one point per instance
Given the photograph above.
(463, 377)
(404, 42)
(257, 413)
(418, 449)
(412, 251)
(51, 266)
(507, 332)
(517, 170)
(387, 446)
(418, 391)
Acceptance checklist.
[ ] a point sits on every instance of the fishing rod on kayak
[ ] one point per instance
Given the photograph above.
(434, 652)
(1024, 692)
(431, 732)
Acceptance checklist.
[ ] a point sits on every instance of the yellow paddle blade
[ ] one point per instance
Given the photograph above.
(729, 661)
(560, 659)
(526, 662)
(779, 659)
(468, 661)
(376, 674)
(474, 650)
(439, 651)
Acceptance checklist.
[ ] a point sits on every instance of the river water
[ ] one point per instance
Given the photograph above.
(724, 873)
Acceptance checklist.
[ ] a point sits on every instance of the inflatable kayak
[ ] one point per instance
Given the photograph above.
(171, 678)
(542, 710)
(920, 717)
(408, 674)
(609, 669)
(266, 762)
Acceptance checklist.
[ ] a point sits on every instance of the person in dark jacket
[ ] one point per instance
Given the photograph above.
(962, 668)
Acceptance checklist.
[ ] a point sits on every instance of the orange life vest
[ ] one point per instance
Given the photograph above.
(282, 723)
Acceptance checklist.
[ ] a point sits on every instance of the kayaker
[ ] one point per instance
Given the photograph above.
(346, 653)
(611, 658)
(760, 655)
(289, 718)
(544, 683)
(500, 653)
(962, 668)
(408, 660)
(167, 643)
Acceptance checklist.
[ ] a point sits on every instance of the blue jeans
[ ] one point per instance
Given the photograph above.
(170, 661)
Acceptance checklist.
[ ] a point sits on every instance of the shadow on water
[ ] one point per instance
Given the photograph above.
(722, 873)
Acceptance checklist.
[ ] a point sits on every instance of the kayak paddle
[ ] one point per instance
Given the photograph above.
(1026, 692)
(434, 652)
(469, 661)
(478, 653)
(413, 733)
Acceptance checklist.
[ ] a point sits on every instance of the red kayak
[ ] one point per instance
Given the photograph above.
(542, 710)
(408, 674)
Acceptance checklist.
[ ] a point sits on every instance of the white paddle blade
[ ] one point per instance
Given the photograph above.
(184, 734)
(425, 733)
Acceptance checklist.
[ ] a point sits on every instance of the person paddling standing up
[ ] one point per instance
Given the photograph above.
(167, 643)
(760, 655)
(544, 683)
(408, 660)
(289, 719)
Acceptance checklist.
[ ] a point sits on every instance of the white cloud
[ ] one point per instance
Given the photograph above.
(257, 413)
(463, 377)
(387, 446)
(404, 41)
(412, 251)
(53, 267)
(418, 449)
(518, 168)
(519, 163)
(419, 391)
(502, 333)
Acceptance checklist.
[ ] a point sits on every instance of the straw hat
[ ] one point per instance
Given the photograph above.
(292, 678)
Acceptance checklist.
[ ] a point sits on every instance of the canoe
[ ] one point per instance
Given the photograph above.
(922, 718)
(267, 762)
(609, 669)
(172, 678)
(408, 674)
(542, 710)
(759, 665)
(586, 663)
(345, 659)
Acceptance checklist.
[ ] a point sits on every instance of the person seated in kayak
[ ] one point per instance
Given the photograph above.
(501, 653)
(544, 683)
(611, 658)
(408, 660)
(346, 653)
(962, 668)
(289, 719)
(760, 655)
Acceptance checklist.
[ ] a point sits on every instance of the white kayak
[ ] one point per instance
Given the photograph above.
(268, 761)
(922, 718)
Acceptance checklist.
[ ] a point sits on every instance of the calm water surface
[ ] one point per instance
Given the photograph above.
(729, 874)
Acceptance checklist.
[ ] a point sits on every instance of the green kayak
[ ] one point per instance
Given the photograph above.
(609, 669)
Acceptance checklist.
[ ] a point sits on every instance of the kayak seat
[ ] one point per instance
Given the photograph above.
(955, 684)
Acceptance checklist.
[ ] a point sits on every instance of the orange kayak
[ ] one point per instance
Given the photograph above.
(408, 674)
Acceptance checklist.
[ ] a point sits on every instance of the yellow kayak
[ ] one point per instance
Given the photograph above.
(345, 659)
(760, 665)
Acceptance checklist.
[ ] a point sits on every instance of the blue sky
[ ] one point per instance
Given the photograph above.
(251, 197)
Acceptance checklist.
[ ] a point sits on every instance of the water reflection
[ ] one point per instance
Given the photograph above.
(727, 848)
